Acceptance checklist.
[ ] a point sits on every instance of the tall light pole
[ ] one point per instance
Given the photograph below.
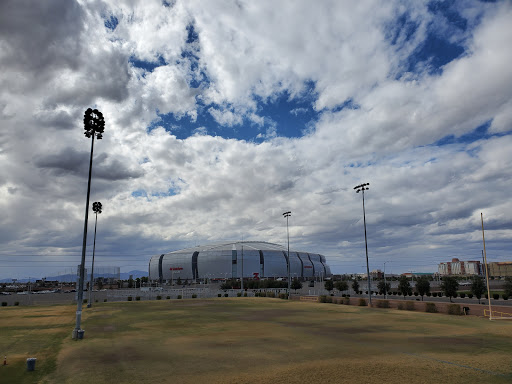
(94, 125)
(362, 188)
(287, 215)
(96, 208)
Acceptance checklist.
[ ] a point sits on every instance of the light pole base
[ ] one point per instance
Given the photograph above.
(74, 335)
(89, 305)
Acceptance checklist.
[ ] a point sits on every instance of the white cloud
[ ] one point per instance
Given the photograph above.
(424, 201)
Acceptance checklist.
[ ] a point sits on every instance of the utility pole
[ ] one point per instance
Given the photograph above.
(287, 215)
(362, 188)
(242, 279)
(486, 270)
(385, 286)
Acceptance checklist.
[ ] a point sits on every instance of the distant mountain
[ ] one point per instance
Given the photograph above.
(126, 276)
(70, 278)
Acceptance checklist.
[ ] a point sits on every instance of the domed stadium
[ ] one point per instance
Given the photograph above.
(227, 260)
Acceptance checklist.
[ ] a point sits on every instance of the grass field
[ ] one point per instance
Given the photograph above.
(251, 340)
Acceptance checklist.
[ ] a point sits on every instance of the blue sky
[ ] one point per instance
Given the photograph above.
(222, 115)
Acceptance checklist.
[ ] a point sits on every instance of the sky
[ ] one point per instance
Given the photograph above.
(221, 115)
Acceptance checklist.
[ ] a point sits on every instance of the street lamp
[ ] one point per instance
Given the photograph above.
(362, 188)
(96, 208)
(94, 125)
(287, 215)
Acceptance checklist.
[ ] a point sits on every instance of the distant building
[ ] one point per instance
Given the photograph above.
(460, 268)
(500, 269)
(376, 274)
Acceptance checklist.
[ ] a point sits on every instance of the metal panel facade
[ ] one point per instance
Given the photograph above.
(307, 265)
(216, 262)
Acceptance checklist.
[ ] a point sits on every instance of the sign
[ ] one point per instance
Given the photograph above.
(308, 266)
(176, 269)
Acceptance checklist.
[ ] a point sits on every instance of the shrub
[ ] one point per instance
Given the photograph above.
(245, 294)
(129, 298)
(16, 303)
(429, 294)
(470, 295)
(505, 296)
(343, 295)
(409, 305)
(179, 297)
(430, 307)
(104, 300)
(400, 306)
(137, 298)
(283, 296)
(239, 294)
(434, 294)
(226, 295)
(4, 303)
(96, 300)
(455, 294)
(362, 302)
(322, 299)
(220, 294)
(454, 309)
(462, 295)
(85, 301)
(159, 297)
(415, 293)
(346, 301)
(495, 296)
(168, 297)
(382, 304)
(486, 296)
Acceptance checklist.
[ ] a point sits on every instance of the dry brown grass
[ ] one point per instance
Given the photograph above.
(263, 340)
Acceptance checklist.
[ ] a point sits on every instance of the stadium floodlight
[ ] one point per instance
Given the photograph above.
(287, 215)
(96, 208)
(94, 125)
(362, 188)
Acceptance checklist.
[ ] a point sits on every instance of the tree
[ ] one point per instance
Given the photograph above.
(130, 282)
(329, 285)
(449, 286)
(404, 287)
(383, 288)
(355, 286)
(423, 286)
(341, 286)
(508, 286)
(296, 284)
(478, 287)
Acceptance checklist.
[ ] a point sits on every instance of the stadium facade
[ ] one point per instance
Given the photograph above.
(226, 260)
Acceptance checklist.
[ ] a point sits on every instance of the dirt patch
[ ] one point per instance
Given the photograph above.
(268, 314)
(447, 341)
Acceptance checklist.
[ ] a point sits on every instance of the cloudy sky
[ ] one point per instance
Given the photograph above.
(221, 115)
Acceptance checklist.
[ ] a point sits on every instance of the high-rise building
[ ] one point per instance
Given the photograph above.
(461, 268)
